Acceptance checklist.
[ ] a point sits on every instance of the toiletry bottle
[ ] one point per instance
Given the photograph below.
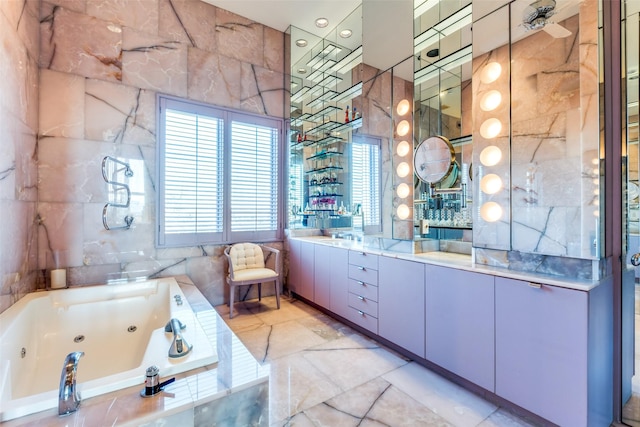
(353, 114)
(346, 114)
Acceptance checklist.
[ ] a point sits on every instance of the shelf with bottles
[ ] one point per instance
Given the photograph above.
(445, 211)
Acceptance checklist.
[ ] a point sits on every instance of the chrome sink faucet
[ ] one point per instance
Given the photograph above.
(68, 396)
(179, 347)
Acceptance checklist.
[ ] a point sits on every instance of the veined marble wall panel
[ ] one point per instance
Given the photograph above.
(19, 49)
(153, 62)
(61, 104)
(130, 13)
(99, 99)
(552, 183)
(80, 44)
(215, 78)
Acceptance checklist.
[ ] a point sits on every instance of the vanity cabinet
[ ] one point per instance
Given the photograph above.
(541, 349)
(460, 323)
(363, 290)
(401, 307)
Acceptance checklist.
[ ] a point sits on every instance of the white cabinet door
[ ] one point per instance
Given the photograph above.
(401, 303)
(338, 265)
(295, 266)
(460, 323)
(541, 349)
(322, 275)
(305, 287)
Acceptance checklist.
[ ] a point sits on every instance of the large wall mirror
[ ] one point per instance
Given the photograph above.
(442, 78)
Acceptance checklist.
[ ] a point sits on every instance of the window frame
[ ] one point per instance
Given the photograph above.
(372, 142)
(227, 115)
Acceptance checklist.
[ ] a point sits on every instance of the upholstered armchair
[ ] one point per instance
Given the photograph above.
(247, 267)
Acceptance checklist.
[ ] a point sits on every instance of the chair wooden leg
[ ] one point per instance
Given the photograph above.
(232, 292)
(278, 293)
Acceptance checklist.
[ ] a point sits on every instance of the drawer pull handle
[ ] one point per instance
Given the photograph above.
(535, 285)
(361, 283)
(363, 253)
(360, 297)
(360, 268)
(361, 313)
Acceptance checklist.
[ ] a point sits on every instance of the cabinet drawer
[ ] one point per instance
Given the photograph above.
(363, 320)
(365, 289)
(363, 259)
(363, 304)
(364, 274)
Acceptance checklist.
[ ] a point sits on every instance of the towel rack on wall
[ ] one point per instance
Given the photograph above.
(117, 187)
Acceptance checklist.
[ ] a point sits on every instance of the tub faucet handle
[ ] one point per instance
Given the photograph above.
(68, 396)
(179, 347)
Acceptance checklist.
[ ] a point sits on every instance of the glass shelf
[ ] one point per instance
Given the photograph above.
(325, 184)
(326, 127)
(352, 92)
(320, 115)
(324, 169)
(324, 155)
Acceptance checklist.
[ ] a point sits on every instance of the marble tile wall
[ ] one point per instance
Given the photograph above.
(101, 65)
(19, 49)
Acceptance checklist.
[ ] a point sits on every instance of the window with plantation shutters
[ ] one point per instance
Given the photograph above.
(218, 175)
(365, 182)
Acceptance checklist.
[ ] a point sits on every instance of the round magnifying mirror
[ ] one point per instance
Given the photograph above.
(434, 159)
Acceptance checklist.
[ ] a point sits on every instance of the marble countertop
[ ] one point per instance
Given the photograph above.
(235, 371)
(458, 261)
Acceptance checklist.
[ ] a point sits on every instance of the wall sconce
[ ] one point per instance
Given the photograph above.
(491, 183)
(490, 72)
(403, 190)
(491, 211)
(403, 169)
(490, 100)
(490, 156)
(403, 128)
(403, 107)
(490, 128)
(403, 148)
(403, 211)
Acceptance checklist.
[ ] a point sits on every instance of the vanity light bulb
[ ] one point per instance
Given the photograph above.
(490, 128)
(491, 184)
(490, 100)
(490, 72)
(403, 190)
(403, 211)
(403, 148)
(491, 212)
(403, 169)
(490, 156)
(403, 128)
(403, 107)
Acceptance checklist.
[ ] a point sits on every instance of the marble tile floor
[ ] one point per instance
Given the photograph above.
(324, 373)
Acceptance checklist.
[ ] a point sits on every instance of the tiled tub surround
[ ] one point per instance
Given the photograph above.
(235, 391)
(101, 64)
(538, 342)
(43, 327)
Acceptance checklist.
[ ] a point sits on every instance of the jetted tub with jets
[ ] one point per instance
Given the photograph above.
(119, 327)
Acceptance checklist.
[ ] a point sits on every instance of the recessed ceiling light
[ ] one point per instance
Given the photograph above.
(302, 71)
(301, 42)
(346, 33)
(322, 22)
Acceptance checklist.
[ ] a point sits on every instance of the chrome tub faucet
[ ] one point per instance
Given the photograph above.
(179, 347)
(68, 396)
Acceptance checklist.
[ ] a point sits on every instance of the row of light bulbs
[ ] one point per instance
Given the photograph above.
(489, 129)
(403, 149)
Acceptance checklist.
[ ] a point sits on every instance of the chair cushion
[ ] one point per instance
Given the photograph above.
(254, 274)
(246, 255)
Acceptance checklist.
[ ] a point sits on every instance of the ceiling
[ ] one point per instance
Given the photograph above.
(280, 14)
(388, 24)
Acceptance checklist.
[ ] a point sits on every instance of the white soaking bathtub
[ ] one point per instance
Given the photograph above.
(120, 328)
